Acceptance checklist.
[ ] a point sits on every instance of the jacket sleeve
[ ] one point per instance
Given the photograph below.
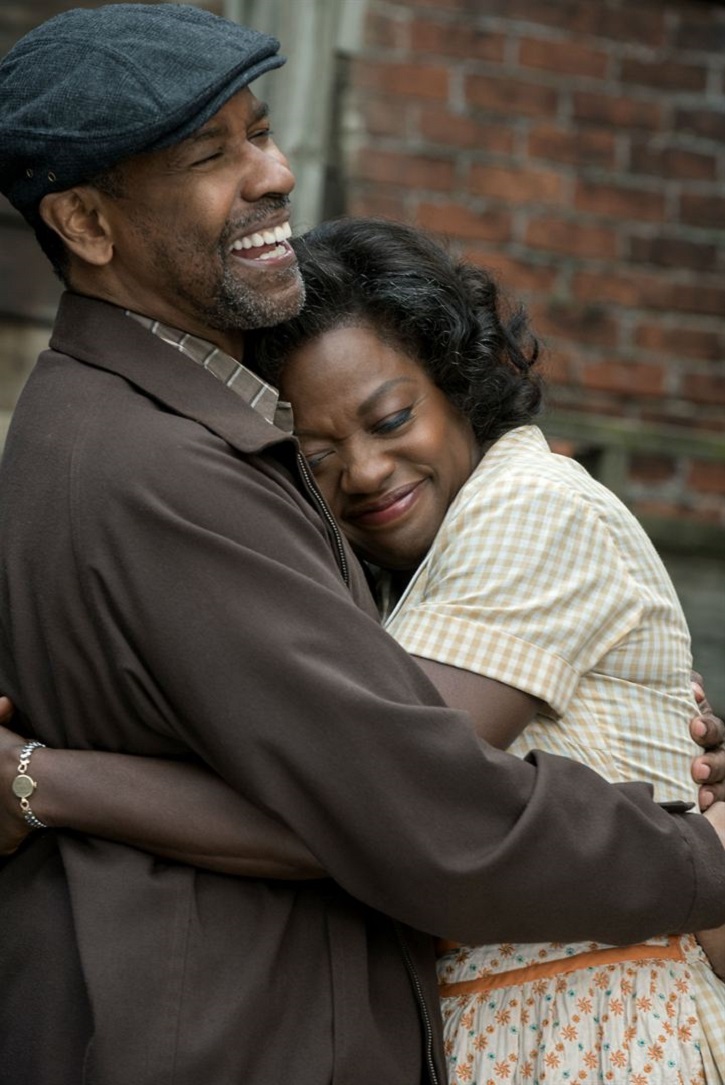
(217, 595)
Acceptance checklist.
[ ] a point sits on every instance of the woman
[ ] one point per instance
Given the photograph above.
(538, 578)
(529, 595)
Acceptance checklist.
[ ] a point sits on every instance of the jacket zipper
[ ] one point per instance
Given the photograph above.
(422, 1006)
(329, 519)
(324, 510)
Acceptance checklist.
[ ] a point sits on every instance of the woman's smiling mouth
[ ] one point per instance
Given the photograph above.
(389, 508)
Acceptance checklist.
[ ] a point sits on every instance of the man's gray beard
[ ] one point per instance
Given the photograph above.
(236, 307)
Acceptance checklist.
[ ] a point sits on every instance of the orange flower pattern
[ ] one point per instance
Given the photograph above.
(631, 1022)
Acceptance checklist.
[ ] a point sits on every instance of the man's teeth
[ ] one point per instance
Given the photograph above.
(279, 251)
(266, 237)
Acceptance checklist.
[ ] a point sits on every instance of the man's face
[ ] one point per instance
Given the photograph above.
(200, 231)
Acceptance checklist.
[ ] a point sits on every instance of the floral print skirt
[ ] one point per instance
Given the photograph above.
(549, 1014)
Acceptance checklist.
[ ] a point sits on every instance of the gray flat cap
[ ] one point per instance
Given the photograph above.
(90, 87)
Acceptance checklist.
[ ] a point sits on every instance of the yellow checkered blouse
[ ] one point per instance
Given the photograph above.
(540, 577)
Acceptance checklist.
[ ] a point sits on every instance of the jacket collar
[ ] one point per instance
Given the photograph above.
(99, 334)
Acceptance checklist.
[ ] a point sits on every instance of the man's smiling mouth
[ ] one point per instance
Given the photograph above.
(272, 241)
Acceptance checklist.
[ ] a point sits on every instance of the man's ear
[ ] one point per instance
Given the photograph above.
(77, 217)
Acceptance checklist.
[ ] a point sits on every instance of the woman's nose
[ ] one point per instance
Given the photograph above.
(366, 471)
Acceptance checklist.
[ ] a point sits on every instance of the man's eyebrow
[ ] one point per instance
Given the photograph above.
(259, 113)
(213, 130)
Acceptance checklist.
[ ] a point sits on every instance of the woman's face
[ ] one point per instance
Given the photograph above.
(387, 448)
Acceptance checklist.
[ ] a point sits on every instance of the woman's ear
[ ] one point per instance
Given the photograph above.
(77, 217)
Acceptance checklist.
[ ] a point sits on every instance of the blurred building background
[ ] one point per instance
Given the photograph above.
(576, 147)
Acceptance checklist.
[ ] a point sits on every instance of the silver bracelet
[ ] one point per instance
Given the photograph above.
(24, 785)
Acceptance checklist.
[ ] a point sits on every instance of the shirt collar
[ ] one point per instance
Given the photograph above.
(262, 397)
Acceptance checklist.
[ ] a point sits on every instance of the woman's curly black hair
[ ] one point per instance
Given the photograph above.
(446, 315)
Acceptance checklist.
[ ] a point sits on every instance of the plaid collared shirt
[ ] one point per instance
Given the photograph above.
(262, 397)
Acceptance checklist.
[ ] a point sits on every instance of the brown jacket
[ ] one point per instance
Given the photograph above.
(169, 589)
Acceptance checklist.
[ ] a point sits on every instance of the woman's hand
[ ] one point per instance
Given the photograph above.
(708, 731)
(13, 827)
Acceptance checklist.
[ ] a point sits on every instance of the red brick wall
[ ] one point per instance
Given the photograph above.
(577, 147)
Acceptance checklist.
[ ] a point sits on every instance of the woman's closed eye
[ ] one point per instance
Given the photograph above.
(392, 422)
(314, 459)
(383, 428)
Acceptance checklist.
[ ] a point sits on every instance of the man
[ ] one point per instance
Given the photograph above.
(173, 586)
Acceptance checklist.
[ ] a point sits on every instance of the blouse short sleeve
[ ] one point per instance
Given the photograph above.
(526, 582)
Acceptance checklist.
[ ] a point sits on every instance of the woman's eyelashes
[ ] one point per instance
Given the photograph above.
(393, 421)
(382, 428)
(314, 459)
